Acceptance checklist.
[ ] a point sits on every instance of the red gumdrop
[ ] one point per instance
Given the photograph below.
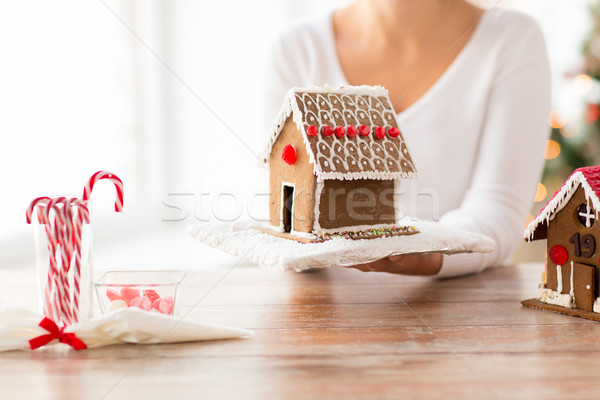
(151, 295)
(558, 254)
(364, 130)
(327, 131)
(393, 131)
(351, 131)
(379, 132)
(289, 154)
(312, 130)
(166, 305)
(113, 295)
(141, 302)
(129, 293)
(340, 131)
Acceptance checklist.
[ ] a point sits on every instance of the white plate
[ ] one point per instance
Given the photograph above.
(240, 239)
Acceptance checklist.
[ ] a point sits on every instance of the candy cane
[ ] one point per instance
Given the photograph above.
(83, 216)
(89, 186)
(59, 242)
(40, 203)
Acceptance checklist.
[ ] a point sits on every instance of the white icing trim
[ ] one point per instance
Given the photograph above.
(596, 308)
(317, 212)
(572, 291)
(273, 227)
(550, 296)
(559, 279)
(290, 107)
(560, 200)
(282, 204)
(306, 235)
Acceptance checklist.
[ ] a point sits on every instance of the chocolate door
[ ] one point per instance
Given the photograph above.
(583, 286)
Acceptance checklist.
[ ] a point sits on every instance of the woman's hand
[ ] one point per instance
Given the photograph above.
(406, 264)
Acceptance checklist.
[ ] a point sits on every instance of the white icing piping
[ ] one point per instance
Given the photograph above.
(572, 292)
(283, 185)
(560, 200)
(317, 213)
(559, 280)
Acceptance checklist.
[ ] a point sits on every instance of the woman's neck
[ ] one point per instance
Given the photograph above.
(382, 21)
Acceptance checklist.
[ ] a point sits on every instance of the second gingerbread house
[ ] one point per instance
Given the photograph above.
(569, 223)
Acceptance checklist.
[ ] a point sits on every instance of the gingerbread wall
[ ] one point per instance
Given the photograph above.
(580, 242)
(300, 174)
(356, 202)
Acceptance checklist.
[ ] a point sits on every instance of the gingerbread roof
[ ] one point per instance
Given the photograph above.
(376, 151)
(588, 178)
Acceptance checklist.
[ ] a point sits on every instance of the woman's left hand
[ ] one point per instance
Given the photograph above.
(405, 264)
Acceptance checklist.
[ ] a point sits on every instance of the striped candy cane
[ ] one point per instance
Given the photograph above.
(40, 204)
(82, 216)
(89, 186)
(59, 271)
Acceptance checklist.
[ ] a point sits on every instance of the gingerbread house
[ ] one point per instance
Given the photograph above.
(569, 223)
(334, 157)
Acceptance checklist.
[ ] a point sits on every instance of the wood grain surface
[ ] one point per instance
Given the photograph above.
(332, 334)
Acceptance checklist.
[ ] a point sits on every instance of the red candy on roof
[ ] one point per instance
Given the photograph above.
(340, 131)
(312, 130)
(351, 131)
(379, 132)
(393, 131)
(364, 130)
(327, 131)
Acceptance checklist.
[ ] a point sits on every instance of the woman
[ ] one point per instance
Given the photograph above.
(471, 89)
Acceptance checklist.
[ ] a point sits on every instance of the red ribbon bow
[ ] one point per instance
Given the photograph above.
(56, 333)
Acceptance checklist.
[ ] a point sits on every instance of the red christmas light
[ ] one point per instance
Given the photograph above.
(592, 113)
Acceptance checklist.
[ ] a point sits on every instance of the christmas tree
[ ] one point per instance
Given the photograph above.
(575, 139)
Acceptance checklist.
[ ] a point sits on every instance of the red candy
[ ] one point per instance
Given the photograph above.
(558, 254)
(379, 132)
(113, 295)
(128, 293)
(340, 131)
(364, 130)
(351, 131)
(141, 302)
(289, 154)
(327, 131)
(164, 305)
(151, 295)
(312, 130)
(393, 131)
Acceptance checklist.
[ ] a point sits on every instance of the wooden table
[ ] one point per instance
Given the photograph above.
(332, 334)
